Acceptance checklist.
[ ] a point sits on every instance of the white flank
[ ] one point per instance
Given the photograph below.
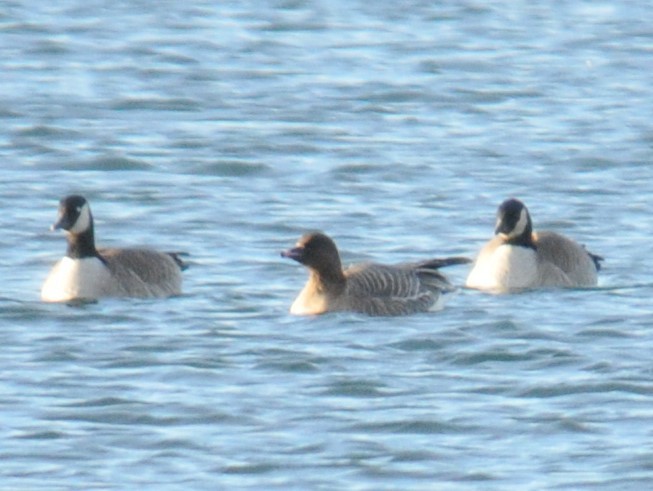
(443, 297)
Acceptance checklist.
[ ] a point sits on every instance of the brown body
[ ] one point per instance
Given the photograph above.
(372, 289)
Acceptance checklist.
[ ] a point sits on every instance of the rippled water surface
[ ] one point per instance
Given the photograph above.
(227, 130)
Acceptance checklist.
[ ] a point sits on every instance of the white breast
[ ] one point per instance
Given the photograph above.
(506, 267)
(75, 279)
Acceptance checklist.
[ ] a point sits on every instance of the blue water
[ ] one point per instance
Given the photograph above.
(227, 131)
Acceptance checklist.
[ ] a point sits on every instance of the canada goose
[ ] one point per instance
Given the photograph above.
(87, 273)
(518, 258)
(373, 289)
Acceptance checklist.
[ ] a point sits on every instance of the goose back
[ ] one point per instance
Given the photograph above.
(579, 266)
(142, 273)
(377, 289)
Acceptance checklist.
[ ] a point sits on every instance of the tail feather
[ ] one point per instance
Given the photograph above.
(597, 260)
(176, 257)
(594, 257)
(430, 276)
(443, 262)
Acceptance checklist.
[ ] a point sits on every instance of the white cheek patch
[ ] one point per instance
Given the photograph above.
(83, 221)
(521, 224)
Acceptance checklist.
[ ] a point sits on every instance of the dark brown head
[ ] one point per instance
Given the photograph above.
(318, 252)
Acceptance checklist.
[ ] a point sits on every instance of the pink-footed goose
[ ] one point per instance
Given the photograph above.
(373, 289)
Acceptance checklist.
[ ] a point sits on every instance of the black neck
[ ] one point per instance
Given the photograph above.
(82, 245)
(525, 239)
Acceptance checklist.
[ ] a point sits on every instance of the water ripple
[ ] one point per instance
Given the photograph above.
(227, 131)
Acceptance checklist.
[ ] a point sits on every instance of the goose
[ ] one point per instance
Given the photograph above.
(87, 273)
(518, 258)
(369, 288)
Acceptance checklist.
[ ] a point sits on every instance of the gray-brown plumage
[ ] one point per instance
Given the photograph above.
(518, 258)
(372, 289)
(87, 273)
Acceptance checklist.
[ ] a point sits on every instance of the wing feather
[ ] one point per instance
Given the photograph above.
(570, 257)
(393, 290)
(143, 272)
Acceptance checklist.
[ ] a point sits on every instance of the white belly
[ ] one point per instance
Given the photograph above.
(506, 268)
(75, 279)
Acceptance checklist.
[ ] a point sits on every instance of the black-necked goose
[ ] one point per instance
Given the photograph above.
(519, 258)
(372, 289)
(87, 273)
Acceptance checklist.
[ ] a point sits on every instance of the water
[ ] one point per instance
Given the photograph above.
(229, 131)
